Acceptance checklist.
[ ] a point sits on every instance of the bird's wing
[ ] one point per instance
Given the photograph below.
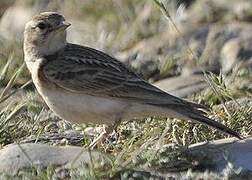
(85, 70)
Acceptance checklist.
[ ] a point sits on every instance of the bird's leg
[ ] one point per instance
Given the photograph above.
(107, 130)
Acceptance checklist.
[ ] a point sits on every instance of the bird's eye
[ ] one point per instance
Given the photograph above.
(41, 26)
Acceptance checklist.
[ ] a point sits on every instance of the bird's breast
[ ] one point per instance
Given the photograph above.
(81, 108)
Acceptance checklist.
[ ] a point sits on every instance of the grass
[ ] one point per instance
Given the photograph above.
(152, 144)
(139, 144)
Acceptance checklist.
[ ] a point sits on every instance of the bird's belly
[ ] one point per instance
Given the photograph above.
(80, 108)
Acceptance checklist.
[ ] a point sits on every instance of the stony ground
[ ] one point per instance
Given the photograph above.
(200, 51)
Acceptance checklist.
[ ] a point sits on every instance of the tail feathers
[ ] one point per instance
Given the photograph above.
(194, 114)
(196, 106)
(214, 124)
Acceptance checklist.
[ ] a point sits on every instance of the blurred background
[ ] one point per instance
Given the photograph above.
(214, 36)
(195, 49)
(201, 50)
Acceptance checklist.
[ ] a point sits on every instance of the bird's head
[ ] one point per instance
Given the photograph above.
(45, 33)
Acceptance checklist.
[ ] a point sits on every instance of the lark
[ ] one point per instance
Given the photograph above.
(84, 85)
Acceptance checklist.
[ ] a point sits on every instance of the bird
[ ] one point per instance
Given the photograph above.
(83, 85)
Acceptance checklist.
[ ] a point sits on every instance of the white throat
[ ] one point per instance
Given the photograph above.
(52, 45)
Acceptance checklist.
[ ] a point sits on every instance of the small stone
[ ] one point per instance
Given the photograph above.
(236, 51)
(16, 157)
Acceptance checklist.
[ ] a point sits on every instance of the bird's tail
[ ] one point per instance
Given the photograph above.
(193, 112)
(214, 124)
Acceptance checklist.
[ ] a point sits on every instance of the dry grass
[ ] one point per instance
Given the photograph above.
(138, 145)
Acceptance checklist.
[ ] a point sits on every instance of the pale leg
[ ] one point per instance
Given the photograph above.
(107, 130)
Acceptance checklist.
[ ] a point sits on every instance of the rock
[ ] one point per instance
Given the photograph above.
(236, 51)
(229, 54)
(197, 39)
(143, 58)
(221, 159)
(242, 11)
(147, 56)
(222, 152)
(206, 42)
(16, 157)
(182, 86)
(218, 36)
(216, 10)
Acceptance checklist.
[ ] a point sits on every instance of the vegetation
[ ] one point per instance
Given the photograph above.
(152, 143)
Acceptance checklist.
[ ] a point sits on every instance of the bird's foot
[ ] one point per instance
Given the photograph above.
(101, 138)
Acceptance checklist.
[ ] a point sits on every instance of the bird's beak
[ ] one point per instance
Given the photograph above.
(64, 25)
